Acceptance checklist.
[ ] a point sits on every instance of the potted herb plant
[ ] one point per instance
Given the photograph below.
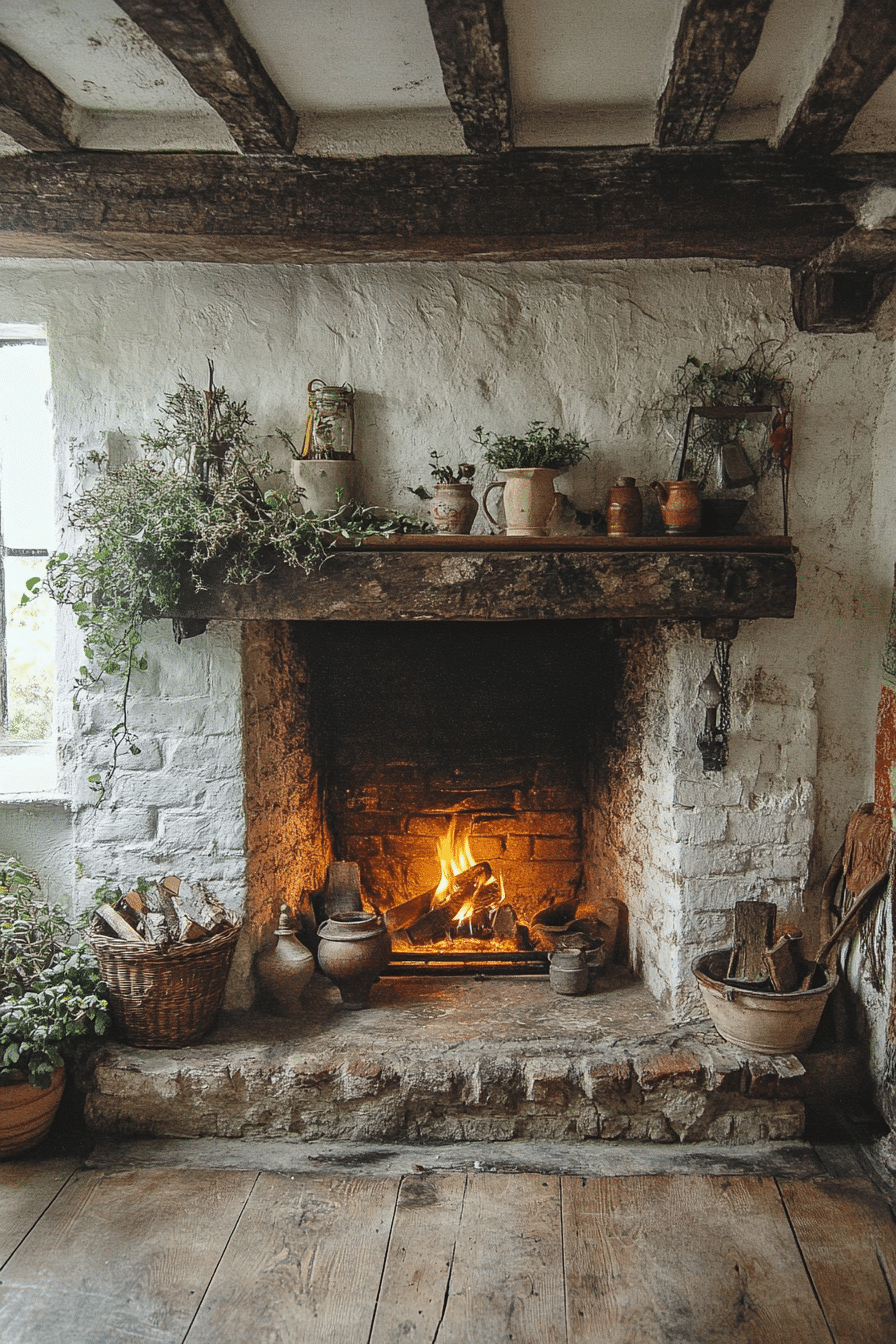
(452, 507)
(529, 464)
(51, 1006)
(193, 505)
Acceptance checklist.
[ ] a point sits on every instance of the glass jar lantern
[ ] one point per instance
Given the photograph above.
(330, 432)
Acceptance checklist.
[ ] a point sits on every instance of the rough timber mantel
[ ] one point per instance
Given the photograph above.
(499, 579)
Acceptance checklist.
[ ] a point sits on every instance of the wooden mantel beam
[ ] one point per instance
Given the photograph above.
(471, 39)
(862, 56)
(716, 41)
(201, 39)
(32, 110)
(742, 202)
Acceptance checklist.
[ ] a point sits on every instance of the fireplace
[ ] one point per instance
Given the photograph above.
(375, 711)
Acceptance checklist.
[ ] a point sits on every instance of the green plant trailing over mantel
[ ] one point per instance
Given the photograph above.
(152, 528)
(51, 1002)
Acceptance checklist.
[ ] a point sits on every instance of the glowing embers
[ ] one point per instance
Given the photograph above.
(467, 907)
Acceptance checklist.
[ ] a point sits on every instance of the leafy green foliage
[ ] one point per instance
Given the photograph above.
(448, 475)
(153, 528)
(50, 990)
(541, 446)
(758, 380)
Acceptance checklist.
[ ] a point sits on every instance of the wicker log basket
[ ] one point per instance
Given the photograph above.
(165, 998)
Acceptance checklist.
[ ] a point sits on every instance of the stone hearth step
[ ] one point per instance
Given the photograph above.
(455, 1060)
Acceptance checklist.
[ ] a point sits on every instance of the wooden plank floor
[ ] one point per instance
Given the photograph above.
(164, 1255)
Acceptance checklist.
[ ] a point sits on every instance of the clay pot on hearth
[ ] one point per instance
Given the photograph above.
(354, 950)
(284, 970)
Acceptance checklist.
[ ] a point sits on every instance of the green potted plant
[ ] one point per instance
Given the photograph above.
(452, 507)
(734, 413)
(529, 464)
(194, 505)
(51, 1006)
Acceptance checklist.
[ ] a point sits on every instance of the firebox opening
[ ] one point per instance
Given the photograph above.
(490, 730)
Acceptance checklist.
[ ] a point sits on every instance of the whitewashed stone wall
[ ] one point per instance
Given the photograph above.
(435, 350)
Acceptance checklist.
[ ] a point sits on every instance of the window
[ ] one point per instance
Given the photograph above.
(27, 633)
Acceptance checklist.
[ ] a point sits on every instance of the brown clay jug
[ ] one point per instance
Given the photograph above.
(285, 969)
(679, 506)
(354, 948)
(625, 509)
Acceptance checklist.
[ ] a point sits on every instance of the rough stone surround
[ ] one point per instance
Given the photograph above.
(455, 1060)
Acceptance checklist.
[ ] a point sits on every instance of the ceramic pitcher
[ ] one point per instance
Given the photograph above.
(528, 500)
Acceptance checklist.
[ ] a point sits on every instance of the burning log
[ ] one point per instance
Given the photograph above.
(400, 916)
(434, 925)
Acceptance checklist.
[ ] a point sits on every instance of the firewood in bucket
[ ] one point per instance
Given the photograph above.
(754, 925)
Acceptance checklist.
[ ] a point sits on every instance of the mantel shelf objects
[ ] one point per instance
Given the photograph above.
(436, 578)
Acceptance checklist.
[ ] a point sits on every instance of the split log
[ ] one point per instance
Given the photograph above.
(400, 916)
(781, 966)
(754, 932)
(118, 924)
(433, 926)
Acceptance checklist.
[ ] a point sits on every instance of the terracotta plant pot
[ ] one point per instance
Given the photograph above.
(354, 949)
(27, 1112)
(772, 1024)
(529, 498)
(452, 509)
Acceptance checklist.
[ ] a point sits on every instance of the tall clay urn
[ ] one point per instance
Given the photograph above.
(284, 970)
(354, 950)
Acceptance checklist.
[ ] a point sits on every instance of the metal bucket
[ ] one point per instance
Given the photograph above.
(770, 1024)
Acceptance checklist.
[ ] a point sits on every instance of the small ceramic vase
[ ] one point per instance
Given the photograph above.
(569, 971)
(453, 508)
(284, 970)
(625, 509)
(354, 950)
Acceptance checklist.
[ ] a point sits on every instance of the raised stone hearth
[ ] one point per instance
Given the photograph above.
(441, 1060)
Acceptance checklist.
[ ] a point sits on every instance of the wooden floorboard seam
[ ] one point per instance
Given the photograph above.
(802, 1255)
(211, 1280)
(379, 1290)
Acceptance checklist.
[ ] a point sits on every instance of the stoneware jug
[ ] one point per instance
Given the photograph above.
(679, 505)
(453, 508)
(625, 509)
(284, 970)
(569, 971)
(528, 500)
(354, 949)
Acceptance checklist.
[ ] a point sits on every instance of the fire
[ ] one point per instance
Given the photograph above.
(455, 857)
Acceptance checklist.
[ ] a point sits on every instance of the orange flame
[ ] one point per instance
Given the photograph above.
(455, 857)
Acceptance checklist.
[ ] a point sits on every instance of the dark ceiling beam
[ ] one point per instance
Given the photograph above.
(861, 58)
(739, 201)
(32, 110)
(471, 39)
(716, 41)
(201, 39)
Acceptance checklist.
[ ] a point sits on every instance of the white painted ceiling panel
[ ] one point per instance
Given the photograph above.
(337, 56)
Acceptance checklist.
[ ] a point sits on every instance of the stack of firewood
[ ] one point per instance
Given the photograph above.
(163, 913)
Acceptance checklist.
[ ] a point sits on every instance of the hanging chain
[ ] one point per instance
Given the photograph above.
(723, 677)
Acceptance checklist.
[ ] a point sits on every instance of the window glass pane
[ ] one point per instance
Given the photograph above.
(29, 651)
(26, 447)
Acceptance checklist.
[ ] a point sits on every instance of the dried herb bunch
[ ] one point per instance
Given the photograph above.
(152, 528)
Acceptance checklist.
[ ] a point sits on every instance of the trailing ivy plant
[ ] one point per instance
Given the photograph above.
(153, 528)
(51, 994)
